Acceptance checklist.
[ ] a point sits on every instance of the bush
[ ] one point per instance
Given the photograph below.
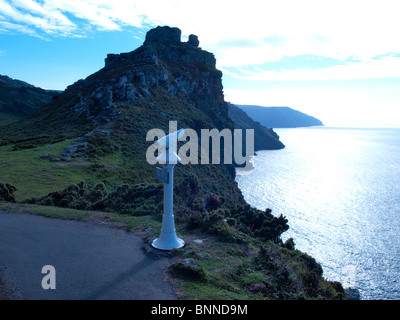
(259, 224)
(138, 200)
(141, 199)
(77, 196)
(292, 274)
(212, 201)
(100, 146)
(289, 244)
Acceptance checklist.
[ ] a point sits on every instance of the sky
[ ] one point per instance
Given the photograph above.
(337, 60)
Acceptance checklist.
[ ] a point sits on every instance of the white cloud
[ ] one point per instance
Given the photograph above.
(239, 33)
(35, 16)
(386, 67)
(8, 26)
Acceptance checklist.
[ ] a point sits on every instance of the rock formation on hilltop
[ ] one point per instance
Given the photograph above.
(181, 69)
(163, 35)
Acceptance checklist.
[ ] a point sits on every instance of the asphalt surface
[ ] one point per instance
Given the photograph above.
(92, 261)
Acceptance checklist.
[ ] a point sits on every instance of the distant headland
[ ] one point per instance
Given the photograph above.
(280, 117)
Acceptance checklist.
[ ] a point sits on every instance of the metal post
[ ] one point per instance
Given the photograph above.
(168, 239)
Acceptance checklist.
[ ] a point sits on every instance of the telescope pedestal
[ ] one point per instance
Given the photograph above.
(168, 239)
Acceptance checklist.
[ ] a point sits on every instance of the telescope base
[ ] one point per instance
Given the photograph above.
(162, 244)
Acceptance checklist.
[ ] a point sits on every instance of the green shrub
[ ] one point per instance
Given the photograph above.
(259, 224)
(138, 200)
(289, 244)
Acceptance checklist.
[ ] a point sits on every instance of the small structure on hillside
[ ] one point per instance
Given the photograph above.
(168, 239)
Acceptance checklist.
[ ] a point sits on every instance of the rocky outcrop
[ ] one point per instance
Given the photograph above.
(182, 69)
(168, 35)
(163, 35)
(193, 41)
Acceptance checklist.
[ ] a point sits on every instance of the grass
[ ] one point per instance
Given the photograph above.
(51, 212)
(34, 177)
(129, 222)
(138, 223)
(113, 159)
(223, 263)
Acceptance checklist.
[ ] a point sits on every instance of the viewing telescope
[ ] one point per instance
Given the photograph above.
(168, 239)
(169, 142)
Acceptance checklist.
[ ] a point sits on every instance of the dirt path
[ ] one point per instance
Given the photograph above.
(92, 261)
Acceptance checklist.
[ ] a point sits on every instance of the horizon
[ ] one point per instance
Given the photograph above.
(287, 54)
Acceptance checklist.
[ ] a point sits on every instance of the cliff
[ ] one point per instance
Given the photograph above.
(264, 138)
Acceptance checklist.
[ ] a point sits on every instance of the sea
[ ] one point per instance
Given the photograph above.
(339, 188)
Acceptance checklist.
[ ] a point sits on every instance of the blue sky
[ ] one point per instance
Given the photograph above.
(336, 60)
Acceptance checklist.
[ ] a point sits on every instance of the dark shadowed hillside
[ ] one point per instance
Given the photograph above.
(19, 99)
(280, 117)
(264, 138)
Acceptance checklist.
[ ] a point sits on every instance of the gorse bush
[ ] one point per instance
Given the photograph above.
(291, 274)
(206, 211)
(212, 223)
(77, 196)
(99, 146)
(244, 220)
(141, 199)
(259, 224)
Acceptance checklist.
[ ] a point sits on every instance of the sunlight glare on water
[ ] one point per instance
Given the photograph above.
(340, 190)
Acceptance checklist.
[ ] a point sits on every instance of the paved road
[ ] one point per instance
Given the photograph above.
(92, 260)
